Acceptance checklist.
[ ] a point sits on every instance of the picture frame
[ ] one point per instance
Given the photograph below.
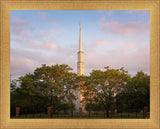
(7, 5)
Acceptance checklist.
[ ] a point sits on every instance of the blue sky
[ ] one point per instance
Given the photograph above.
(110, 38)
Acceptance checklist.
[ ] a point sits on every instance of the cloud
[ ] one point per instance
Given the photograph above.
(123, 28)
(36, 45)
(19, 25)
(27, 60)
(41, 47)
(23, 29)
(46, 18)
(22, 35)
(21, 65)
(50, 46)
(116, 45)
(133, 56)
(133, 60)
(31, 49)
(131, 46)
(101, 42)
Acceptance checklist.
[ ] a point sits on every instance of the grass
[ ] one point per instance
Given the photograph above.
(95, 116)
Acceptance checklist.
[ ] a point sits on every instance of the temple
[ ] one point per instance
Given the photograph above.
(80, 71)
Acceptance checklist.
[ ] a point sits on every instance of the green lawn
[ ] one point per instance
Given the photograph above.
(102, 116)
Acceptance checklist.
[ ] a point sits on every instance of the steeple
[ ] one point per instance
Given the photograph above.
(80, 38)
(80, 63)
(80, 70)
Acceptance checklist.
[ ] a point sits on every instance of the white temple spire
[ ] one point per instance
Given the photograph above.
(80, 71)
(80, 63)
(80, 38)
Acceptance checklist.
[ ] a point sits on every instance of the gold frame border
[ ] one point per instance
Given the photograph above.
(7, 5)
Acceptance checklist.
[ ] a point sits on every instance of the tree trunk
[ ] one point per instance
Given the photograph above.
(72, 112)
(107, 113)
(51, 100)
(51, 97)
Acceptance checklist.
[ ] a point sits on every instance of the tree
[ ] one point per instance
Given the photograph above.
(13, 85)
(104, 85)
(54, 83)
(137, 92)
(65, 107)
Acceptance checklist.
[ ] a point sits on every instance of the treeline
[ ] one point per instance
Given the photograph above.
(115, 89)
(47, 86)
(54, 86)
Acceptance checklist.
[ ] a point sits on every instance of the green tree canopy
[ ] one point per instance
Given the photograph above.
(54, 82)
(102, 86)
(137, 92)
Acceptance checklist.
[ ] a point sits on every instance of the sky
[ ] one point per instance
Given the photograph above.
(114, 38)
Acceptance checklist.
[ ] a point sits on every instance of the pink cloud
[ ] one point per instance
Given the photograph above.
(46, 18)
(42, 33)
(129, 45)
(18, 26)
(44, 46)
(20, 65)
(133, 45)
(123, 28)
(134, 59)
(26, 60)
(38, 41)
(52, 30)
(23, 33)
(101, 42)
(49, 46)
(126, 55)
